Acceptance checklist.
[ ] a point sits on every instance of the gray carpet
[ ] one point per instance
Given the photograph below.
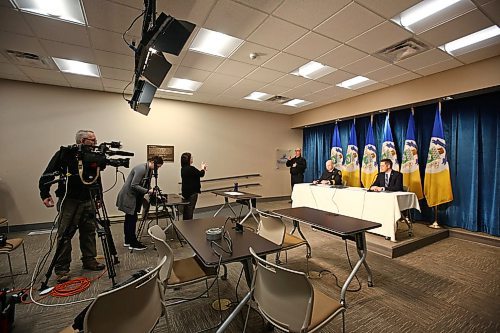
(450, 286)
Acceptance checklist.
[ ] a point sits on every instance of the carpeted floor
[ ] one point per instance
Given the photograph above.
(449, 286)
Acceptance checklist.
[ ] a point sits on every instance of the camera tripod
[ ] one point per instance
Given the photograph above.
(101, 220)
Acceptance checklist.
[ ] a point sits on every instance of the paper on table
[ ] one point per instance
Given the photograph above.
(233, 193)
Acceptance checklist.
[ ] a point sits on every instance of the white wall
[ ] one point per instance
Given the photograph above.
(36, 119)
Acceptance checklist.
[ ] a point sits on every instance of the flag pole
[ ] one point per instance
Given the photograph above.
(435, 225)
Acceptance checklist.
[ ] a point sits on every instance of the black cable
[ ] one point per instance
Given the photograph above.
(116, 180)
(128, 29)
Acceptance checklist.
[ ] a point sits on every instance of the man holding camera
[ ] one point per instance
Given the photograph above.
(75, 208)
(129, 199)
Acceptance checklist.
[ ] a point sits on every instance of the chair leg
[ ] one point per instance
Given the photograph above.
(25, 262)
(343, 321)
(11, 272)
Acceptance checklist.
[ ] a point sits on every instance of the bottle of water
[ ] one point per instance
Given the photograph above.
(235, 187)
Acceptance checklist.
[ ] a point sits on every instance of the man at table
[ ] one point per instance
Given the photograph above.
(387, 179)
(331, 176)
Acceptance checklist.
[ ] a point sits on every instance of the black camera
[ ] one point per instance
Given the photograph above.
(98, 156)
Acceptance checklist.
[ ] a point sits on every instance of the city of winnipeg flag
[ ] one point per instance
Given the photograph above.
(336, 152)
(409, 167)
(369, 167)
(388, 146)
(351, 166)
(437, 182)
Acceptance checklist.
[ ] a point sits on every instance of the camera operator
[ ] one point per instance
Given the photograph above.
(74, 206)
(130, 198)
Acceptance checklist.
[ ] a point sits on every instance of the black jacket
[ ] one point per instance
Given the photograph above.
(191, 180)
(395, 181)
(299, 168)
(334, 177)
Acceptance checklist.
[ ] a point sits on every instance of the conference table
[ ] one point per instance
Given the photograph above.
(334, 224)
(380, 207)
(244, 198)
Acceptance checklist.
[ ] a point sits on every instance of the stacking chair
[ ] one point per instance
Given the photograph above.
(271, 228)
(288, 301)
(406, 217)
(134, 307)
(182, 272)
(11, 246)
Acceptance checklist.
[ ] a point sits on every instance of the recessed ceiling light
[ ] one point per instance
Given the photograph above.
(313, 70)
(176, 92)
(76, 67)
(258, 96)
(184, 84)
(473, 41)
(215, 43)
(297, 103)
(356, 82)
(64, 10)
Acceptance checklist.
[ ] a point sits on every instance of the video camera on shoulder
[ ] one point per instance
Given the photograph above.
(99, 155)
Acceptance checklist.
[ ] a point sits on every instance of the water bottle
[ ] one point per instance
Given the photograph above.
(235, 187)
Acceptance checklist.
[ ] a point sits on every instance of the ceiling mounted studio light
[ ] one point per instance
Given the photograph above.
(76, 67)
(297, 103)
(258, 96)
(313, 70)
(184, 84)
(215, 43)
(473, 41)
(64, 10)
(356, 82)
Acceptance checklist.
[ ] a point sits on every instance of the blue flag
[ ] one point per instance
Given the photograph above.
(351, 166)
(388, 146)
(369, 167)
(409, 167)
(336, 153)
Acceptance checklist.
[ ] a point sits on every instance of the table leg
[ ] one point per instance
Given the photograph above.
(250, 212)
(248, 269)
(296, 226)
(226, 202)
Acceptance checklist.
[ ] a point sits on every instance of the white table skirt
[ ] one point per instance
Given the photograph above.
(381, 207)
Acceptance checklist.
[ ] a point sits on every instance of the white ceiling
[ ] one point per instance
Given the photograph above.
(285, 34)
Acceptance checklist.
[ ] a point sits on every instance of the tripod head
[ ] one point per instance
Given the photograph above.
(155, 168)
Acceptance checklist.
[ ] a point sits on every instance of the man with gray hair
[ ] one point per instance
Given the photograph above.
(74, 206)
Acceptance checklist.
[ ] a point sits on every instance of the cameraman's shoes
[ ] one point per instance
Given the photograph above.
(94, 266)
(138, 246)
(62, 277)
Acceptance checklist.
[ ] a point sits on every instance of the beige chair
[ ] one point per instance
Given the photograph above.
(178, 273)
(134, 307)
(288, 301)
(11, 246)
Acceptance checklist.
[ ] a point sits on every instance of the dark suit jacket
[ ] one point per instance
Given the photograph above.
(334, 177)
(395, 181)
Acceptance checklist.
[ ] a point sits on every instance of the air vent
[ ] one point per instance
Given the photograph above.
(278, 99)
(28, 59)
(402, 50)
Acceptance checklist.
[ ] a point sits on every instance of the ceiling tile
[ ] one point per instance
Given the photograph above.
(114, 60)
(84, 82)
(283, 33)
(217, 83)
(424, 59)
(12, 20)
(336, 77)
(458, 27)
(365, 65)
(349, 22)
(264, 75)
(194, 11)
(401, 78)
(323, 94)
(308, 13)
(60, 31)
(267, 6)
(3, 58)
(116, 83)
(380, 37)
(109, 41)
(98, 16)
(236, 68)
(484, 53)
(290, 81)
(388, 8)
(273, 89)
(116, 74)
(243, 88)
(341, 56)
(201, 61)
(311, 46)
(492, 9)
(263, 53)
(39, 73)
(53, 82)
(372, 87)
(284, 62)
(10, 41)
(306, 89)
(6, 68)
(385, 73)
(192, 74)
(234, 19)
(16, 77)
(68, 51)
(439, 67)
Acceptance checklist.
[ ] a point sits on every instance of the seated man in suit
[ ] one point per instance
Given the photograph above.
(331, 176)
(387, 179)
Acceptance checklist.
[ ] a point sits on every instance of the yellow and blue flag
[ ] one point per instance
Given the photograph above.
(409, 167)
(388, 146)
(437, 182)
(351, 166)
(336, 152)
(369, 167)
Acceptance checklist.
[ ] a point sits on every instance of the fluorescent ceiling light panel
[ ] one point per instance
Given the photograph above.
(473, 41)
(313, 70)
(297, 103)
(356, 82)
(76, 67)
(64, 10)
(176, 92)
(258, 96)
(215, 43)
(184, 84)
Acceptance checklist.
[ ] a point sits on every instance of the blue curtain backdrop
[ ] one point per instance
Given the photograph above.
(472, 133)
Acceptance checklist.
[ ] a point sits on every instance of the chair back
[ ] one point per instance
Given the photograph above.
(163, 250)
(134, 307)
(285, 297)
(271, 227)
